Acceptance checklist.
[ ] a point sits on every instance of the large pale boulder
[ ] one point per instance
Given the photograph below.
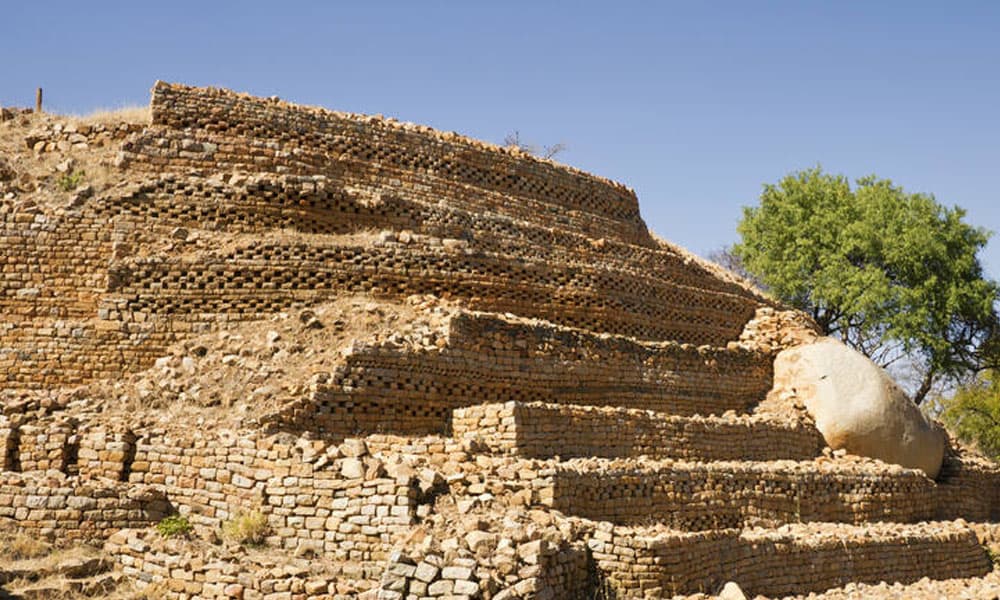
(857, 406)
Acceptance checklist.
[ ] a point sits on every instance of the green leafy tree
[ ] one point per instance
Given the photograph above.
(893, 274)
(973, 413)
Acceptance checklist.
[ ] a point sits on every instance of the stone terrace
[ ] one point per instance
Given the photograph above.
(569, 408)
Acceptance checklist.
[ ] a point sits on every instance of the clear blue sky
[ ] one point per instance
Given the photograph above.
(693, 104)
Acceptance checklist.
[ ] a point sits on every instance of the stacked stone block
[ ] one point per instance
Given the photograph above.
(796, 559)
(541, 430)
(106, 453)
(64, 137)
(48, 444)
(73, 510)
(719, 495)
(191, 569)
(340, 504)
(536, 569)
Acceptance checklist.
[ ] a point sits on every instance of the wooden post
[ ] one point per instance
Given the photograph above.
(38, 100)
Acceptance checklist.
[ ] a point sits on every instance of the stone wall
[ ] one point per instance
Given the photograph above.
(718, 495)
(339, 502)
(182, 568)
(207, 129)
(541, 430)
(535, 569)
(794, 560)
(93, 286)
(411, 386)
(267, 276)
(257, 203)
(71, 509)
(968, 488)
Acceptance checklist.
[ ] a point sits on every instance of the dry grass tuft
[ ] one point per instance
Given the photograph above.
(246, 528)
(20, 546)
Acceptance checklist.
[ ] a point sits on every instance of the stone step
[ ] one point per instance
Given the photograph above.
(792, 559)
(412, 387)
(699, 496)
(260, 277)
(546, 430)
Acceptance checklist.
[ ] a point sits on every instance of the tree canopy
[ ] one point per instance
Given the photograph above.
(973, 413)
(893, 274)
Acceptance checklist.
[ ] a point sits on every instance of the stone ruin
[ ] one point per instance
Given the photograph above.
(434, 367)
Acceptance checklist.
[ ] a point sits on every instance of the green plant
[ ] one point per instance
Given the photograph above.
(972, 413)
(249, 528)
(993, 553)
(70, 181)
(174, 525)
(891, 273)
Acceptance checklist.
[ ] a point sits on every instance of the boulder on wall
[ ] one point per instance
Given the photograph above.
(857, 406)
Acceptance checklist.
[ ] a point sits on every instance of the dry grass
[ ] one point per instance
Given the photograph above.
(125, 114)
(20, 546)
(246, 528)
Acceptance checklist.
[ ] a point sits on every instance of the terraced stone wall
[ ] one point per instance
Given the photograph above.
(498, 230)
(699, 496)
(797, 560)
(204, 128)
(74, 510)
(968, 489)
(270, 276)
(316, 205)
(540, 430)
(412, 386)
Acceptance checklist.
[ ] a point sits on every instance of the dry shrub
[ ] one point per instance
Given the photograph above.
(248, 528)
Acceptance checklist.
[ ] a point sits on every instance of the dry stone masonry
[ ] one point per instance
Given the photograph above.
(347, 357)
